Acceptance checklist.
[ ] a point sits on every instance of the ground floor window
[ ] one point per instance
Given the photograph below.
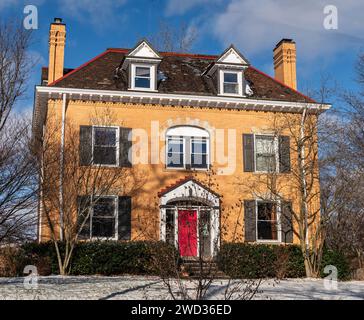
(104, 218)
(267, 221)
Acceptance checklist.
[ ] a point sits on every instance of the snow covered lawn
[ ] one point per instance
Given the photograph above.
(137, 287)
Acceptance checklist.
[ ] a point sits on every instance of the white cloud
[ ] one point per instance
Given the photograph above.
(256, 26)
(99, 13)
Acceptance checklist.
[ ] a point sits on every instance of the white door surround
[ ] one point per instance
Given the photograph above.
(200, 199)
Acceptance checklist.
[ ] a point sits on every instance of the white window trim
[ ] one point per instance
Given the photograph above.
(240, 83)
(185, 155)
(184, 152)
(276, 151)
(279, 226)
(116, 217)
(152, 68)
(117, 146)
(207, 153)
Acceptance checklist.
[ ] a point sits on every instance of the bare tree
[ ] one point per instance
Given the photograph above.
(18, 181)
(193, 278)
(15, 66)
(344, 175)
(170, 38)
(67, 203)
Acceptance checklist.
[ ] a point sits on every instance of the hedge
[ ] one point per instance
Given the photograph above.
(252, 261)
(102, 258)
(237, 260)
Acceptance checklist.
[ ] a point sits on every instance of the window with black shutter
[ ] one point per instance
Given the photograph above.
(105, 140)
(103, 219)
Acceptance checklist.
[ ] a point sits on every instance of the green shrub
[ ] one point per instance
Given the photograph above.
(100, 257)
(337, 259)
(242, 260)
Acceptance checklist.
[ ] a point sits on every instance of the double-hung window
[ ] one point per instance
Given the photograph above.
(175, 153)
(187, 148)
(103, 218)
(265, 153)
(231, 83)
(142, 78)
(267, 221)
(105, 146)
(199, 154)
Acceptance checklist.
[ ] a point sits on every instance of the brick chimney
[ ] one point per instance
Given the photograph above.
(284, 56)
(57, 41)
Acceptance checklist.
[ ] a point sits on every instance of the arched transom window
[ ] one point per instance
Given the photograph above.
(187, 148)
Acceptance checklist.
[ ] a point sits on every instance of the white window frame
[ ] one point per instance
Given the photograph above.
(207, 153)
(184, 152)
(117, 146)
(279, 225)
(152, 68)
(240, 83)
(183, 136)
(276, 151)
(116, 217)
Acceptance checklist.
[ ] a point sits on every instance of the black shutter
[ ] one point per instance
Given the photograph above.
(250, 221)
(124, 147)
(85, 147)
(124, 218)
(286, 222)
(248, 152)
(284, 154)
(83, 210)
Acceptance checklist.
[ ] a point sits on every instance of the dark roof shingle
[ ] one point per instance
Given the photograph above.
(184, 75)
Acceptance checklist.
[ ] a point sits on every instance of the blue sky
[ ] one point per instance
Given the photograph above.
(253, 26)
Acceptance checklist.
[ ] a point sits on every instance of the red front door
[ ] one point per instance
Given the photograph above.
(187, 233)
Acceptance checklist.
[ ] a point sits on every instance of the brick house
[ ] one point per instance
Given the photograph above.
(198, 112)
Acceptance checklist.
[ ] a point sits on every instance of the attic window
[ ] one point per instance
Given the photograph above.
(143, 77)
(231, 83)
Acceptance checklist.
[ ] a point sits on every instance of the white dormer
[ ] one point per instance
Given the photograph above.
(141, 63)
(228, 71)
(232, 56)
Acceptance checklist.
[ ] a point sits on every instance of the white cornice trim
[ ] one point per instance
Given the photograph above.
(179, 99)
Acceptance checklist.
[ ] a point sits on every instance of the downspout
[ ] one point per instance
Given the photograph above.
(61, 164)
(302, 136)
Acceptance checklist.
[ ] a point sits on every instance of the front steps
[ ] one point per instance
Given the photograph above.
(196, 269)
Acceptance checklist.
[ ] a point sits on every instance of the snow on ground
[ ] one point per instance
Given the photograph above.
(149, 288)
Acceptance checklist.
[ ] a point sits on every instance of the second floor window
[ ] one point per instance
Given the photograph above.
(199, 153)
(265, 153)
(105, 146)
(175, 154)
(187, 148)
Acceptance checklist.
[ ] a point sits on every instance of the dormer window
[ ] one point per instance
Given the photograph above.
(228, 72)
(231, 83)
(141, 64)
(142, 77)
